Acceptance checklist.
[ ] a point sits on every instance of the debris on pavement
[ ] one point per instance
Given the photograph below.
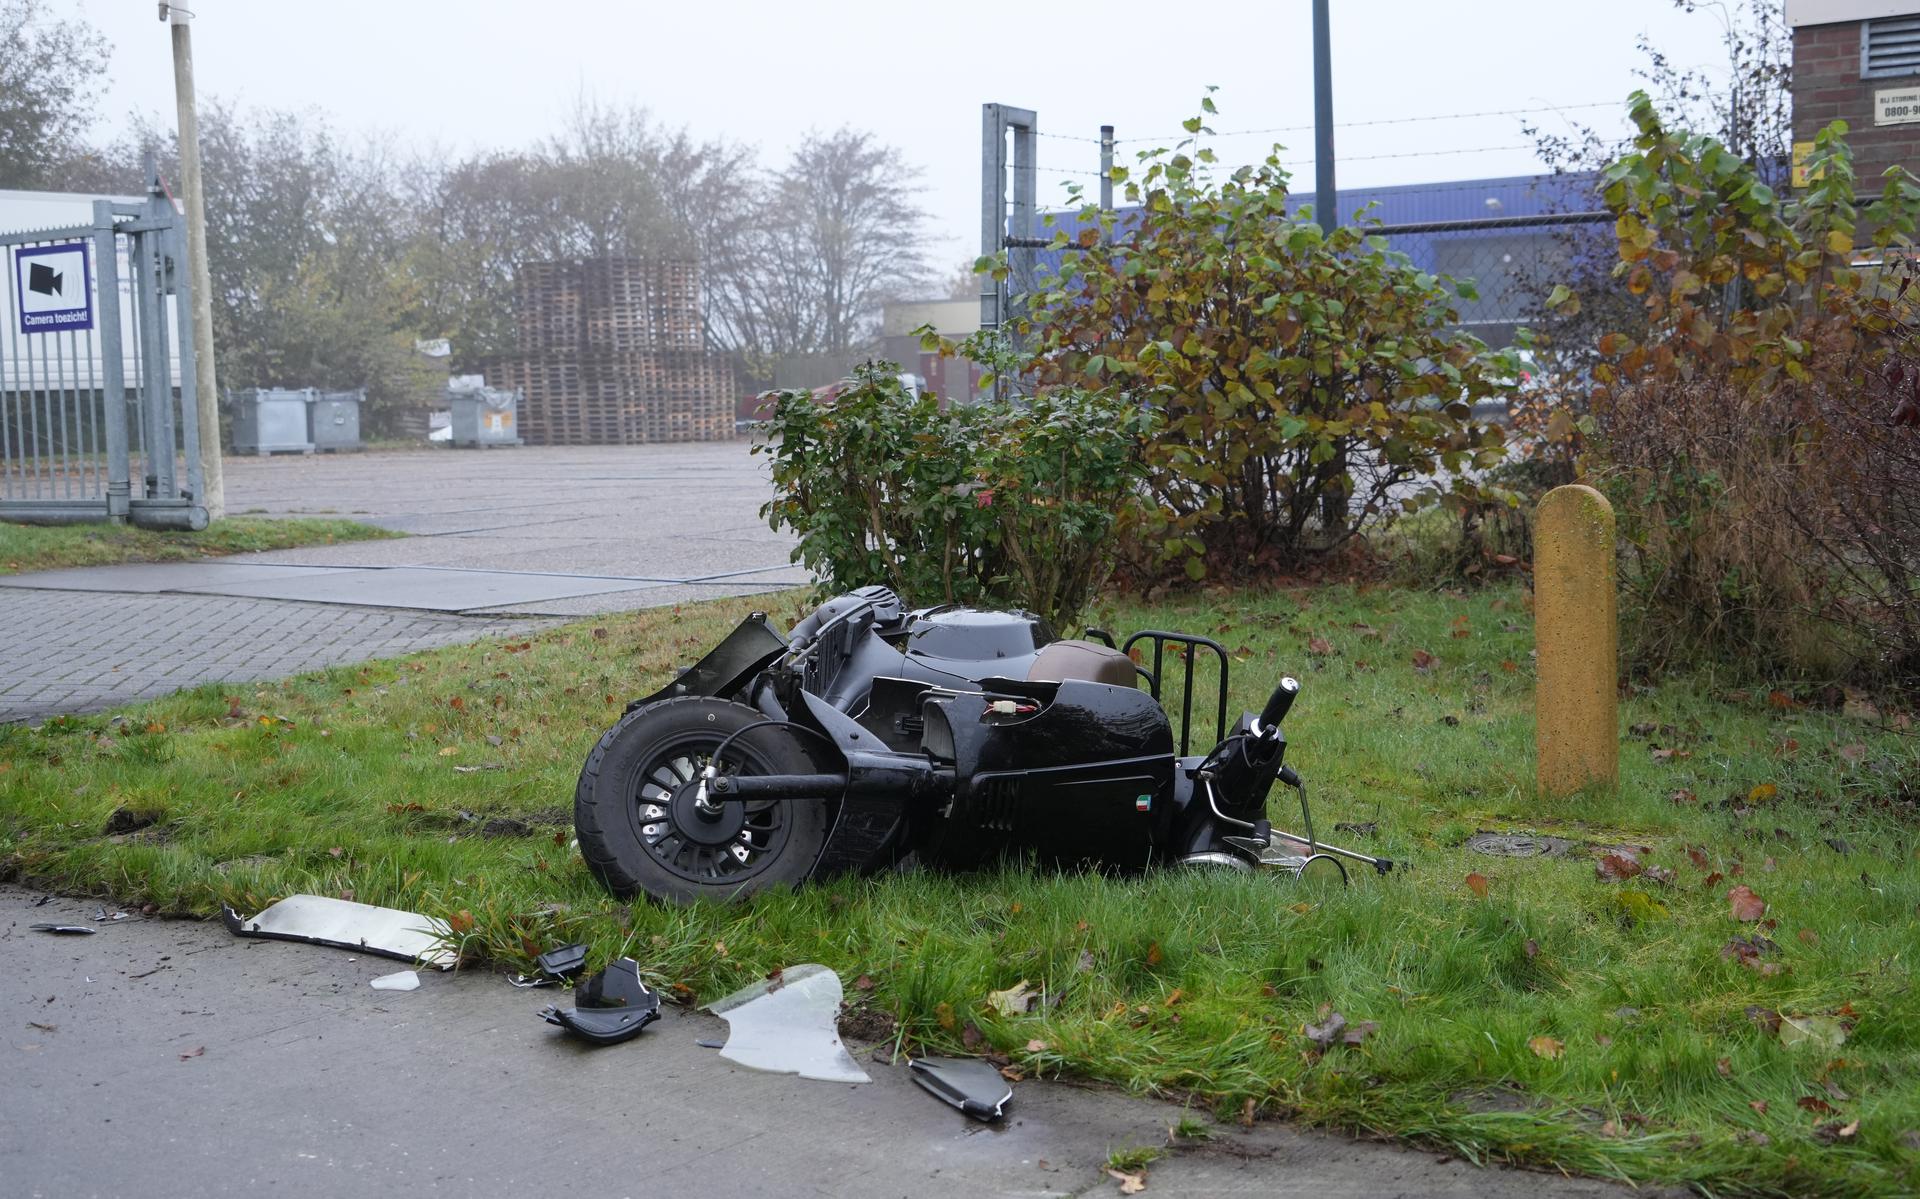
(553, 967)
(105, 917)
(404, 980)
(789, 1024)
(68, 930)
(970, 1084)
(609, 1007)
(344, 924)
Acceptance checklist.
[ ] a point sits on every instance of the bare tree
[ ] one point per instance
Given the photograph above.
(841, 235)
(50, 73)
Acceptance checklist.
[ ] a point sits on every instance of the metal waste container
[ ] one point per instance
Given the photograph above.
(270, 420)
(484, 416)
(334, 419)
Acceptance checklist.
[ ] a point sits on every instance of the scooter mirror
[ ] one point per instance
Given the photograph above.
(1281, 701)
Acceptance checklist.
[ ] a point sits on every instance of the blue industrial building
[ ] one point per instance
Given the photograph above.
(1501, 233)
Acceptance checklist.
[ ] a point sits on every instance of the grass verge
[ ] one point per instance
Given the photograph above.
(26, 548)
(1520, 1009)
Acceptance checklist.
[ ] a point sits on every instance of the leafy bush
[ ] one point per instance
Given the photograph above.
(1002, 503)
(1751, 435)
(1310, 386)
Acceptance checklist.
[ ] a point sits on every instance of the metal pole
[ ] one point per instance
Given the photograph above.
(993, 199)
(112, 364)
(1323, 199)
(1106, 168)
(207, 389)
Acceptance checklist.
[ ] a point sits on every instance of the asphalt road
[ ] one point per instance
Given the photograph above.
(168, 1058)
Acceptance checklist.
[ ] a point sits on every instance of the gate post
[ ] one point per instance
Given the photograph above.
(1577, 637)
(106, 258)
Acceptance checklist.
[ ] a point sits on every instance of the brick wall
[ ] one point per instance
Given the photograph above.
(1827, 86)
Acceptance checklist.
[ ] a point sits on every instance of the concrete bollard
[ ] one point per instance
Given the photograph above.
(1577, 638)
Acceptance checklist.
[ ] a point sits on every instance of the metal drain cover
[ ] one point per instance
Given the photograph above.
(1520, 845)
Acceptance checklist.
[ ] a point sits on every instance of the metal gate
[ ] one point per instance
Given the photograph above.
(97, 405)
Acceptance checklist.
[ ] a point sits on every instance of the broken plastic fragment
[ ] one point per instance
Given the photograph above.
(70, 930)
(789, 1024)
(969, 1084)
(405, 980)
(610, 1007)
(343, 924)
(553, 966)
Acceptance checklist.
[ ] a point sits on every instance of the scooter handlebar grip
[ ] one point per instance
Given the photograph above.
(1281, 700)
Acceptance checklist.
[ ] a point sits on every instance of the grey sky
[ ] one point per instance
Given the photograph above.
(493, 73)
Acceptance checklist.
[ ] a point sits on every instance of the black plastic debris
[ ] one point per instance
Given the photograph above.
(969, 1084)
(609, 1007)
(65, 930)
(553, 966)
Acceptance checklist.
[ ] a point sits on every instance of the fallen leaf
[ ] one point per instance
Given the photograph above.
(1762, 793)
(449, 750)
(1334, 1030)
(1477, 883)
(1766, 1019)
(1423, 661)
(1822, 1032)
(1016, 1000)
(193, 1053)
(1319, 646)
(1828, 1133)
(1131, 1183)
(1550, 1048)
(1154, 956)
(1744, 904)
(1698, 858)
(1682, 796)
(1813, 1103)
(1617, 867)
(1532, 948)
(863, 983)
(599, 634)
(1852, 754)
(461, 922)
(943, 1012)
(970, 1036)
(1724, 1067)
(1779, 699)
(1036, 1046)
(1509, 665)
(1809, 937)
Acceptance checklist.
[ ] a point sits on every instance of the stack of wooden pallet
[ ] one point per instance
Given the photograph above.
(612, 352)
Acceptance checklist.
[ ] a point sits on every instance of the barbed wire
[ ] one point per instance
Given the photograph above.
(1445, 116)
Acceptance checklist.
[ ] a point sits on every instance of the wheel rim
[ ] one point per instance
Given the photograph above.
(695, 853)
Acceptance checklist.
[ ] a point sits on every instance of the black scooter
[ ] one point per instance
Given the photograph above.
(870, 733)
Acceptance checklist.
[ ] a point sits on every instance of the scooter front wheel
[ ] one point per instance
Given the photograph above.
(640, 824)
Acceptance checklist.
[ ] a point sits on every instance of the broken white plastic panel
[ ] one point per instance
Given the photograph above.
(405, 980)
(789, 1024)
(343, 924)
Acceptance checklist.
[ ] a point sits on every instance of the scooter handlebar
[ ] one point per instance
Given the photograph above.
(1280, 702)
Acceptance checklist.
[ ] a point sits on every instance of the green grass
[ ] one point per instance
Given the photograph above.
(28, 547)
(1193, 985)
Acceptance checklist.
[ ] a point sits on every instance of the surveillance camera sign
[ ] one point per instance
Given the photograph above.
(53, 287)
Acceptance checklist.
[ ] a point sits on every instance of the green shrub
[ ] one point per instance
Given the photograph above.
(1309, 386)
(1751, 435)
(1007, 503)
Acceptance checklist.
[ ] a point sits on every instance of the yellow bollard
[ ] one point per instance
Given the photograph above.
(1577, 637)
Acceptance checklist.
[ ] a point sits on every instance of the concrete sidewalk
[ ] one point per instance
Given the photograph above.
(168, 1058)
(502, 542)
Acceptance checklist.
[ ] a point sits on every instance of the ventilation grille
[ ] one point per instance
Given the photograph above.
(1890, 47)
(996, 802)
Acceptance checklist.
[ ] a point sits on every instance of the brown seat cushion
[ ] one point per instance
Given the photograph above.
(1062, 660)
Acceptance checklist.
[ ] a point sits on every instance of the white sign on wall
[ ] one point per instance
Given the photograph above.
(1896, 106)
(53, 287)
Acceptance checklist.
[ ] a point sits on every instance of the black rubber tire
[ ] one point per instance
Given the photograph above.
(606, 807)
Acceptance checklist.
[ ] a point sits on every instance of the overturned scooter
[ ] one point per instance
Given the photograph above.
(870, 732)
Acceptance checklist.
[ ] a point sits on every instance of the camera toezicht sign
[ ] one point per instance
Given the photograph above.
(53, 287)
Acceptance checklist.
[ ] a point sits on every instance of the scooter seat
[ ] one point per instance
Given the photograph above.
(1059, 661)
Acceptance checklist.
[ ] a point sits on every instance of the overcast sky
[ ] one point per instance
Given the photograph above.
(479, 73)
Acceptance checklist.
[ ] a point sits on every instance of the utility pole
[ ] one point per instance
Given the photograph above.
(207, 387)
(1106, 168)
(1323, 201)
